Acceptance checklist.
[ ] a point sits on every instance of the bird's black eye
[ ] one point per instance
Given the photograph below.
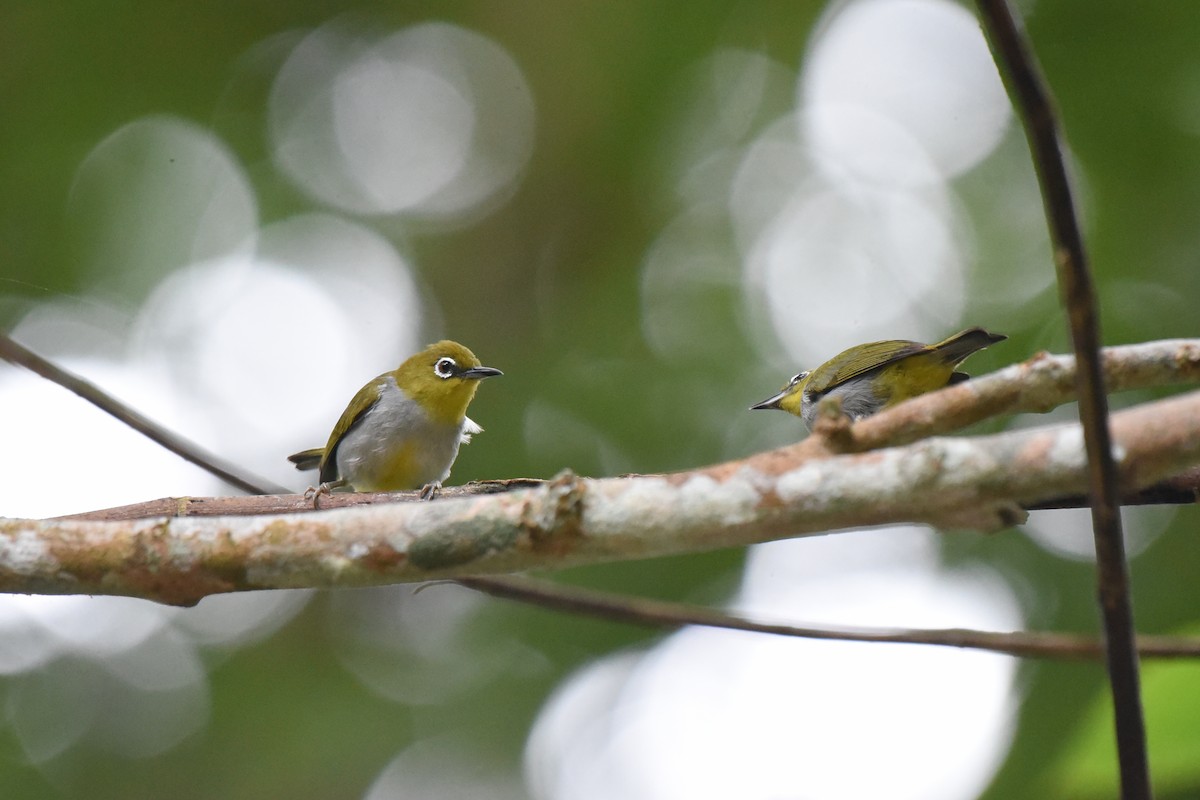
(799, 376)
(444, 368)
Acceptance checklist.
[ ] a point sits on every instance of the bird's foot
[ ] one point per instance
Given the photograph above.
(314, 494)
(430, 490)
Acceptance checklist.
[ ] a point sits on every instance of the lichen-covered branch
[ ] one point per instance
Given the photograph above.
(968, 482)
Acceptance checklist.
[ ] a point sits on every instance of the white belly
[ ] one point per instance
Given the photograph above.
(396, 446)
(858, 400)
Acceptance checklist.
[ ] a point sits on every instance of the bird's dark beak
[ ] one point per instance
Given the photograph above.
(478, 373)
(770, 402)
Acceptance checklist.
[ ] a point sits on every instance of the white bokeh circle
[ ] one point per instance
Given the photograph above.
(156, 194)
(433, 121)
(718, 714)
(884, 79)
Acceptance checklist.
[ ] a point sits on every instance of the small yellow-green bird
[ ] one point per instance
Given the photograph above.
(871, 377)
(403, 429)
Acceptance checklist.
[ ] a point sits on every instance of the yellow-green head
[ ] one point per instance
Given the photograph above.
(870, 377)
(442, 379)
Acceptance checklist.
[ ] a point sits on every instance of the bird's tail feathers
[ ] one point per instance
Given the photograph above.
(307, 459)
(964, 343)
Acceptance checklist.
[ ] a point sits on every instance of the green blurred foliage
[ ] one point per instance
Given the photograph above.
(550, 282)
(1085, 767)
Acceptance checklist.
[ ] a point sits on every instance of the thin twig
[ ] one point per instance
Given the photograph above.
(1035, 107)
(670, 615)
(15, 353)
(299, 503)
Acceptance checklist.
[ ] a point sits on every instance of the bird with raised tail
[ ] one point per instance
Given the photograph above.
(871, 377)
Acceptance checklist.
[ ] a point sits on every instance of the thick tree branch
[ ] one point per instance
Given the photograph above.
(1183, 488)
(950, 482)
(667, 615)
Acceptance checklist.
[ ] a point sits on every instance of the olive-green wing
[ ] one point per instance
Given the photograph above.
(364, 400)
(860, 360)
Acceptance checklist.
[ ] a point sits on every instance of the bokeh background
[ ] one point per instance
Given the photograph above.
(649, 215)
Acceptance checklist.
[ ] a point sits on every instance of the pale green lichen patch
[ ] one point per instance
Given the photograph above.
(461, 543)
(277, 531)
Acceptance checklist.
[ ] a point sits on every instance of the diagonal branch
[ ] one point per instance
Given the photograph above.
(15, 353)
(1033, 102)
(963, 482)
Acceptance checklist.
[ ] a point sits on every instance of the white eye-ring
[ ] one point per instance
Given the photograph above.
(799, 376)
(444, 368)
